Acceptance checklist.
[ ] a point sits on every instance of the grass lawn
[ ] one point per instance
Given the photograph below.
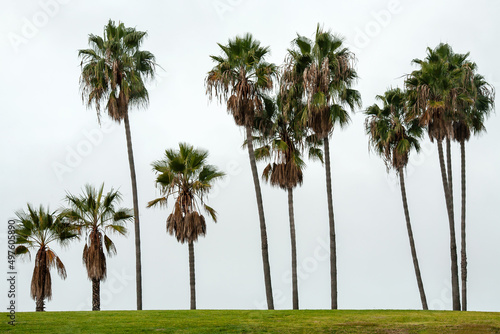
(221, 321)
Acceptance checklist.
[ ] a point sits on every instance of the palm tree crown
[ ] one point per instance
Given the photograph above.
(322, 71)
(240, 76)
(392, 134)
(114, 70)
(185, 175)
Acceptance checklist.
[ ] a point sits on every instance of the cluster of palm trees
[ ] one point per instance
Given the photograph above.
(93, 216)
(314, 91)
(287, 112)
(447, 98)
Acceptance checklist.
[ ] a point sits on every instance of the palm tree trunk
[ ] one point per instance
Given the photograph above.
(192, 281)
(449, 173)
(138, 270)
(40, 305)
(295, 289)
(263, 231)
(420, 284)
(453, 245)
(463, 234)
(96, 294)
(40, 280)
(333, 247)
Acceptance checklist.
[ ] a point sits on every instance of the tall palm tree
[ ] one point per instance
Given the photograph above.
(393, 136)
(36, 229)
(96, 216)
(185, 175)
(283, 139)
(470, 119)
(240, 77)
(113, 73)
(322, 72)
(434, 94)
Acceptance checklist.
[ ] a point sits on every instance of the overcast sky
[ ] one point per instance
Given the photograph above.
(51, 144)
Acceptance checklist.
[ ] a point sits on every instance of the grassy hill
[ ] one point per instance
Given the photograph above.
(221, 321)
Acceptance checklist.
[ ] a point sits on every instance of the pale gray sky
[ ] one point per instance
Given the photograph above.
(45, 126)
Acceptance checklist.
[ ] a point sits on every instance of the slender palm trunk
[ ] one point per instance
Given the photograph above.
(96, 294)
(449, 174)
(40, 305)
(333, 247)
(420, 284)
(295, 289)
(463, 234)
(138, 270)
(263, 231)
(192, 281)
(453, 245)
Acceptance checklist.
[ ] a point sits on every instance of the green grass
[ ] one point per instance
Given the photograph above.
(221, 321)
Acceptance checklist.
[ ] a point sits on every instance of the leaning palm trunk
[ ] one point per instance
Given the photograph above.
(96, 294)
(263, 231)
(463, 234)
(420, 284)
(138, 275)
(192, 281)
(453, 246)
(333, 248)
(295, 289)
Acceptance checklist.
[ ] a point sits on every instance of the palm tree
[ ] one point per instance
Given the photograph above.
(240, 77)
(434, 94)
(470, 119)
(185, 175)
(322, 71)
(96, 216)
(393, 136)
(283, 140)
(36, 229)
(113, 73)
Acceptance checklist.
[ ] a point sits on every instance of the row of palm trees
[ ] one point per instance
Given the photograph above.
(445, 96)
(314, 92)
(183, 174)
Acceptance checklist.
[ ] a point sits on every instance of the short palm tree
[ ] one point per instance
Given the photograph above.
(113, 73)
(185, 175)
(240, 77)
(96, 216)
(470, 120)
(283, 139)
(393, 136)
(36, 230)
(435, 92)
(321, 71)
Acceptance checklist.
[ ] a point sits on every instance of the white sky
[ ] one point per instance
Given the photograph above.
(43, 121)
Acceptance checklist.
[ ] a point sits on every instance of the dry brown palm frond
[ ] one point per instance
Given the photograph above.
(94, 257)
(286, 175)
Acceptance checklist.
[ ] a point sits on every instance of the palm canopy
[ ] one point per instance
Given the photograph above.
(185, 175)
(321, 71)
(35, 230)
(283, 138)
(473, 113)
(240, 76)
(96, 216)
(439, 89)
(114, 70)
(392, 134)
